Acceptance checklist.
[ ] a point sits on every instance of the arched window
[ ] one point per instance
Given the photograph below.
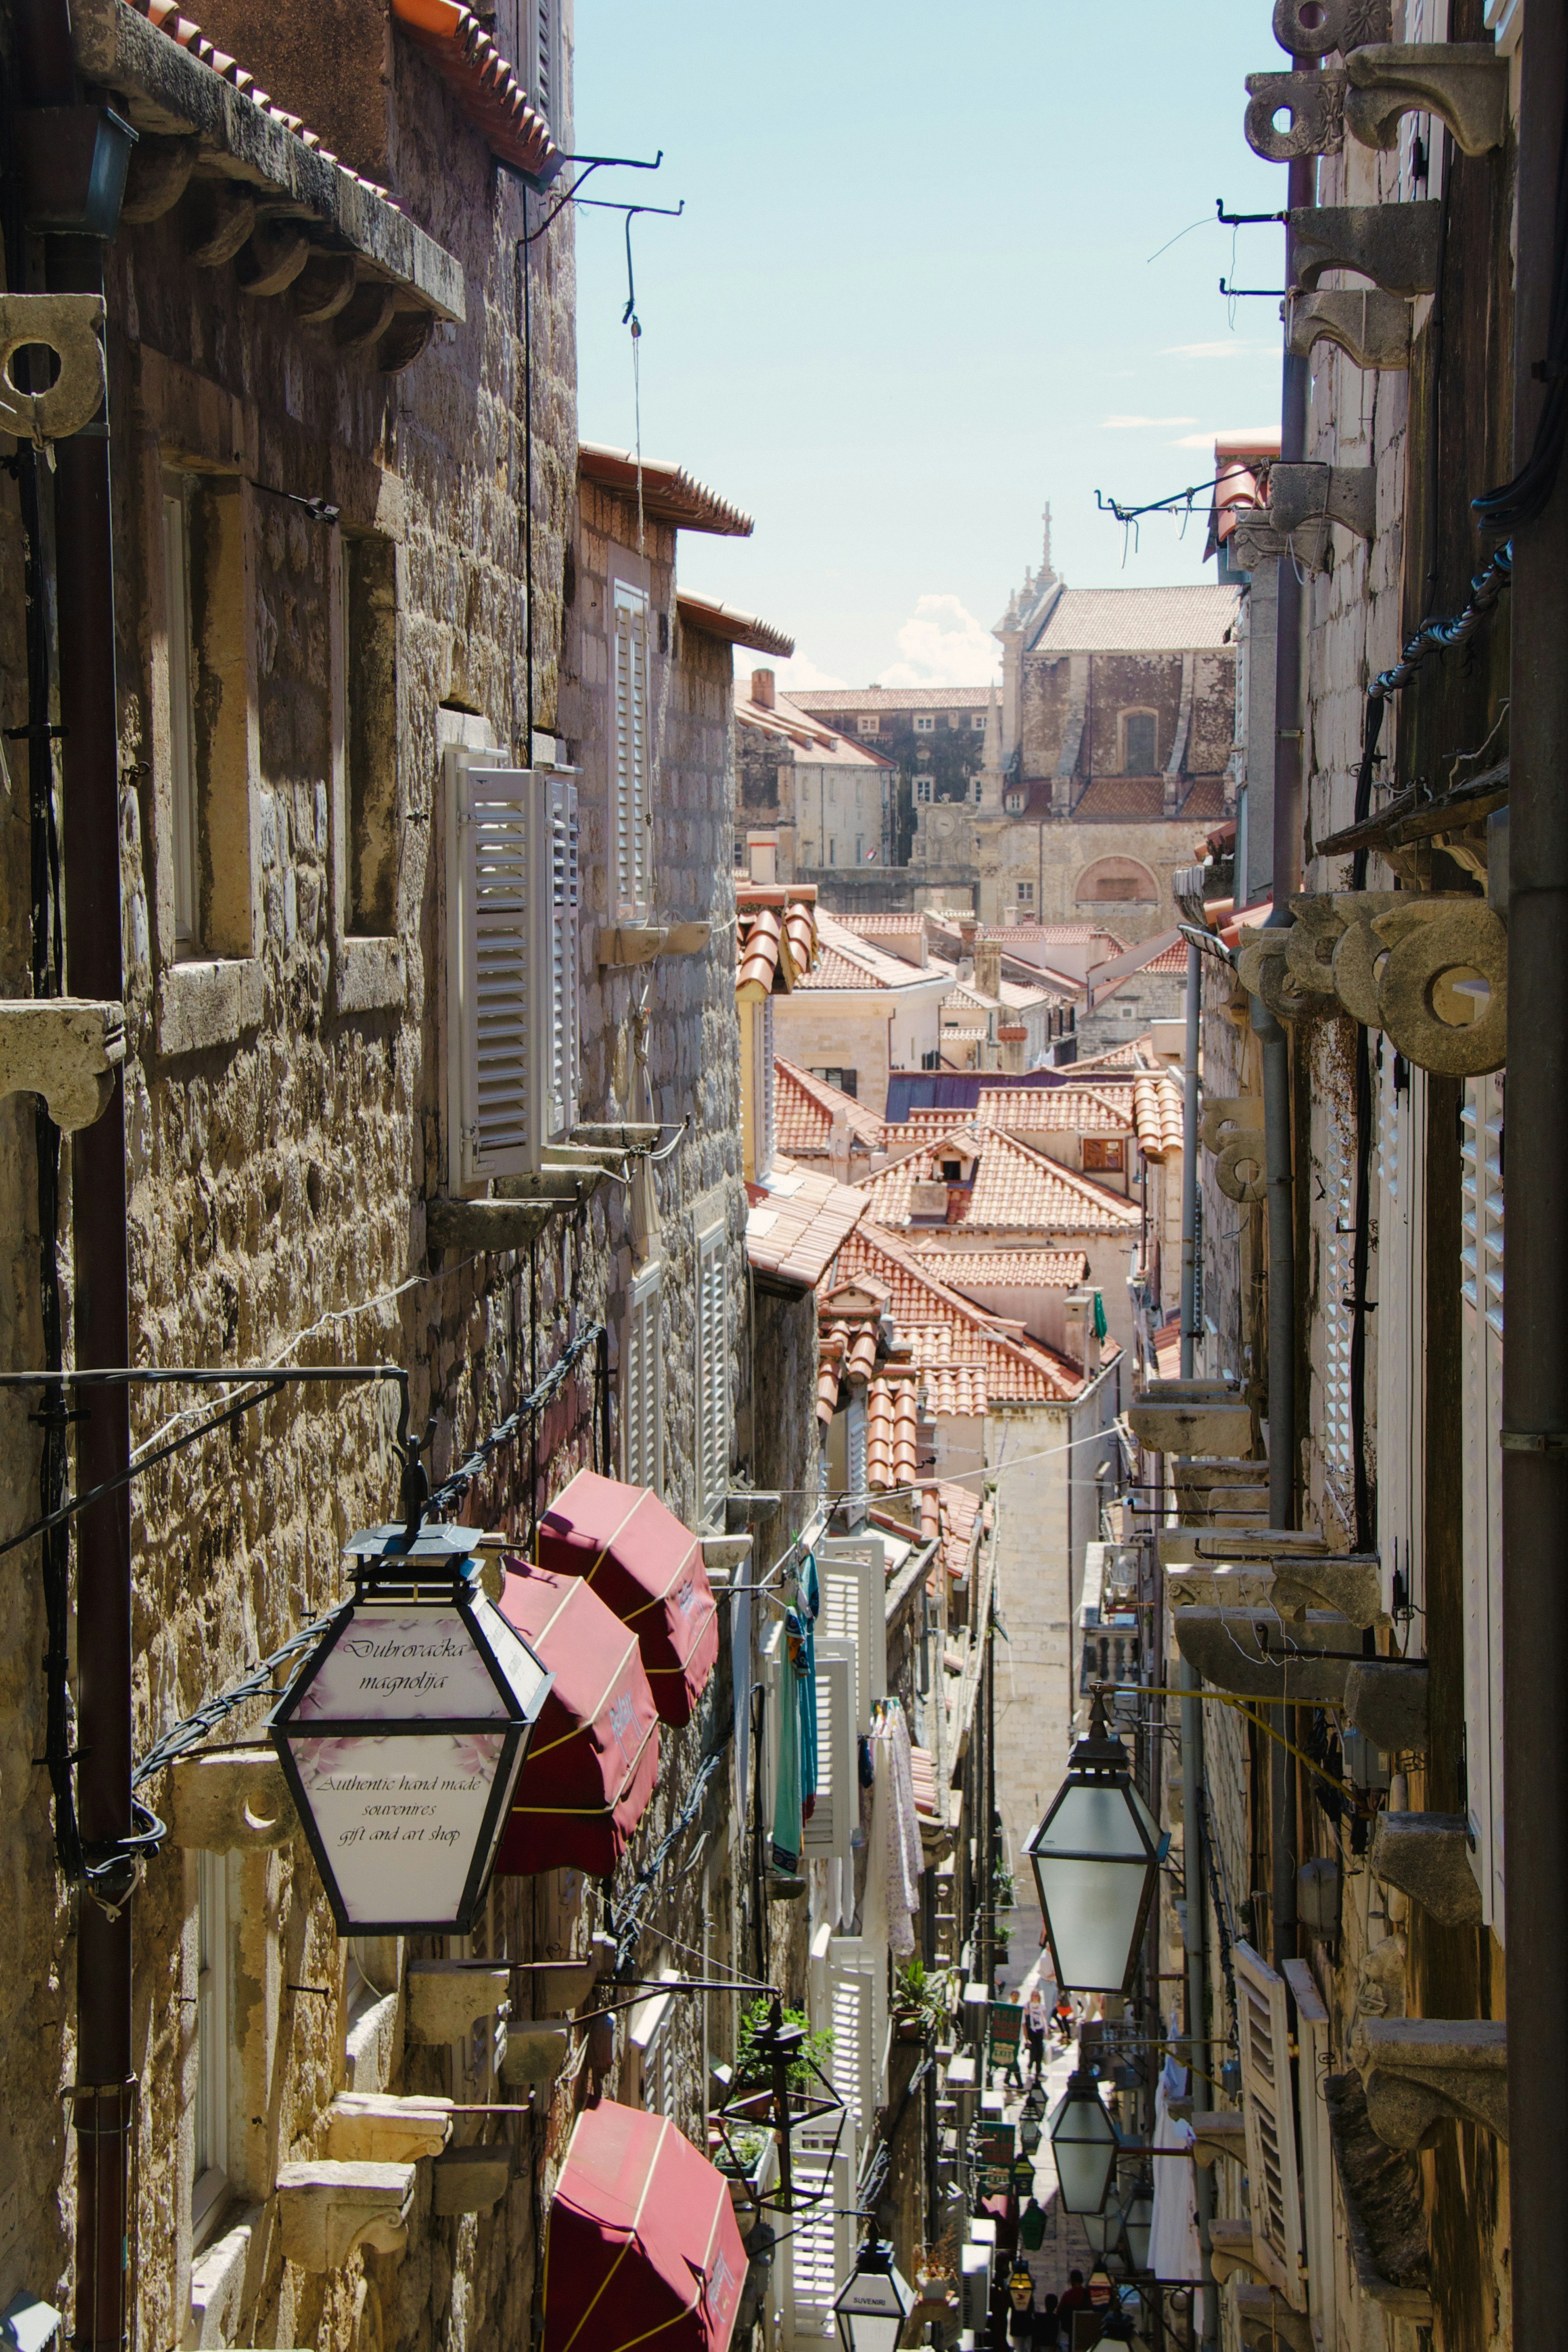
(1116, 878)
(1137, 729)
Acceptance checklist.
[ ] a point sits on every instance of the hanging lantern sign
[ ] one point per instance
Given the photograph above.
(402, 1735)
(1097, 1857)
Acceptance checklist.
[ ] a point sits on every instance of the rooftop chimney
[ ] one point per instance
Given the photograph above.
(763, 687)
(763, 849)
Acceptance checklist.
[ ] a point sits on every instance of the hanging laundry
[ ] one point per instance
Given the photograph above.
(905, 1856)
(801, 1636)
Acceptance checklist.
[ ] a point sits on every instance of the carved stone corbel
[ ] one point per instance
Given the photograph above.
(219, 218)
(324, 286)
(274, 258)
(326, 2210)
(1263, 971)
(1358, 951)
(1259, 539)
(1235, 2255)
(1233, 1131)
(1299, 495)
(66, 1049)
(629, 945)
(1428, 1857)
(71, 326)
(1379, 1983)
(1373, 329)
(471, 2179)
(1315, 103)
(1254, 1655)
(537, 2050)
(1386, 1700)
(446, 1998)
(1396, 245)
(1266, 2320)
(1349, 1587)
(374, 2127)
(1464, 83)
(1421, 2072)
(1199, 1425)
(1428, 943)
(1311, 28)
(157, 176)
(1219, 2134)
(233, 1801)
(1310, 942)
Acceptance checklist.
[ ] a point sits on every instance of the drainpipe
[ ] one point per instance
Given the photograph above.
(1190, 1164)
(1535, 1339)
(104, 2092)
(1194, 1873)
(1289, 714)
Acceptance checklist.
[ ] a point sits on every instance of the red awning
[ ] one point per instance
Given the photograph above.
(642, 2245)
(594, 1758)
(648, 1568)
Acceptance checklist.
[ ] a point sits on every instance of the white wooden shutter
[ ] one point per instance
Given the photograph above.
(857, 1499)
(838, 1807)
(767, 1091)
(852, 1575)
(555, 915)
(1268, 2105)
(511, 966)
(819, 2247)
(1481, 1285)
(712, 1375)
(1313, 2064)
(1399, 1331)
(489, 846)
(629, 754)
(1336, 1320)
(851, 2067)
(642, 1384)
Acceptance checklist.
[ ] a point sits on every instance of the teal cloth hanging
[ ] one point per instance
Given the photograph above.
(803, 1654)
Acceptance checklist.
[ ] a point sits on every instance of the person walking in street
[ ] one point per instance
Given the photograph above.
(1036, 2019)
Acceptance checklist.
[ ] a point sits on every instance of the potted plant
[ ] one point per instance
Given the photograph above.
(748, 2156)
(920, 2002)
(752, 2071)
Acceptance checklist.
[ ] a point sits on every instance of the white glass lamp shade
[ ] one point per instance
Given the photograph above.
(873, 2305)
(401, 1739)
(1140, 2225)
(1103, 2230)
(1095, 1858)
(1085, 2143)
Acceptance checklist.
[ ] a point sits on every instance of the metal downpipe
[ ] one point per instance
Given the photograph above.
(1189, 1162)
(1281, 1429)
(1199, 2052)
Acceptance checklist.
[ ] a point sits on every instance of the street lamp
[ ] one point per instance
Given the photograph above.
(1140, 2224)
(1103, 2230)
(1097, 1857)
(403, 1735)
(1085, 2143)
(874, 2302)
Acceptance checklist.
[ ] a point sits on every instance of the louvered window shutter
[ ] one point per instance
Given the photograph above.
(818, 2248)
(557, 938)
(712, 1376)
(489, 1043)
(1481, 1284)
(853, 1580)
(642, 1415)
(767, 1140)
(1268, 2105)
(630, 753)
(838, 1807)
(850, 2062)
(544, 77)
(1337, 1318)
(1313, 2065)
(857, 1501)
(1399, 1331)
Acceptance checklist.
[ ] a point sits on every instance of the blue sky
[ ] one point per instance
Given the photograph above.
(912, 300)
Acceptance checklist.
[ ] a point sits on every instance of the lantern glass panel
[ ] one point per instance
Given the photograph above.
(1094, 1856)
(1084, 2142)
(1140, 2228)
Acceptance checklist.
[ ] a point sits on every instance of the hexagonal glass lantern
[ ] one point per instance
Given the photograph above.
(403, 1735)
(1097, 1857)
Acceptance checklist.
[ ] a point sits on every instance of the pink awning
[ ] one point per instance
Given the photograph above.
(642, 2246)
(648, 1568)
(594, 1758)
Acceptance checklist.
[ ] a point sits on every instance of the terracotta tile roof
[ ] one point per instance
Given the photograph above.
(817, 746)
(735, 628)
(891, 1424)
(1168, 1348)
(846, 962)
(1018, 1269)
(1138, 620)
(775, 938)
(885, 927)
(961, 1033)
(855, 700)
(1157, 1106)
(1137, 1054)
(484, 84)
(798, 1220)
(1049, 1110)
(1049, 935)
(951, 1512)
(834, 969)
(962, 1359)
(670, 494)
(1014, 1187)
(806, 1108)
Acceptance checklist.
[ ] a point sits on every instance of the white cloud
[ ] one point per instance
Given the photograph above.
(942, 644)
(1140, 424)
(799, 675)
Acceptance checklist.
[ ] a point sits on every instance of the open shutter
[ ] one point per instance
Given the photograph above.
(767, 1090)
(852, 2067)
(1400, 1330)
(838, 1807)
(1480, 1283)
(712, 1376)
(1268, 2105)
(642, 1417)
(490, 860)
(556, 938)
(819, 2248)
(852, 1575)
(629, 754)
(1316, 2146)
(1337, 1320)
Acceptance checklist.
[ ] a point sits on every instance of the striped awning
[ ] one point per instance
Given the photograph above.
(647, 1568)
(642, 2246)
